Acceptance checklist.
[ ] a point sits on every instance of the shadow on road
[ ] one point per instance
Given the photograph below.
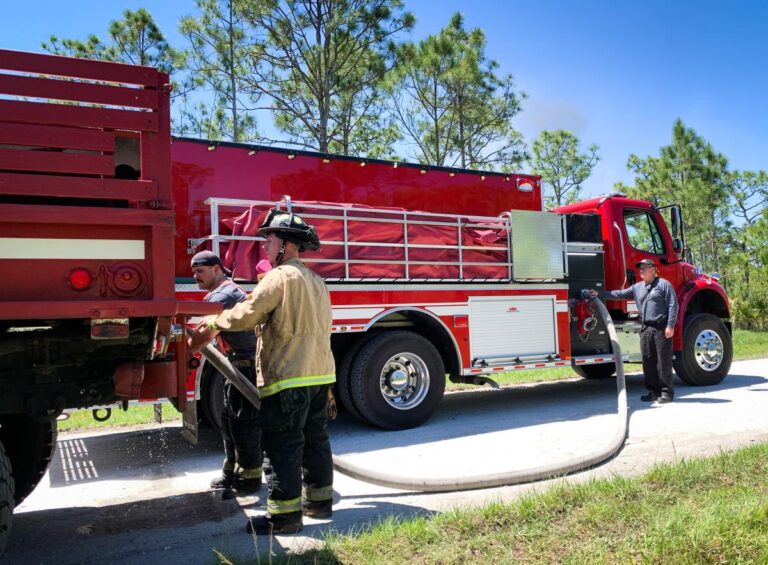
(110, 533)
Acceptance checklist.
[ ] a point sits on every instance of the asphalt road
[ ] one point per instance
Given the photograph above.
(141, 496)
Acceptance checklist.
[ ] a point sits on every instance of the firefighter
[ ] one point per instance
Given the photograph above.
(292, 308)
(243, 460)
(657, 303)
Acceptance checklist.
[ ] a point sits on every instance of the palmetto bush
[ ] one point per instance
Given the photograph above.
(751, 313)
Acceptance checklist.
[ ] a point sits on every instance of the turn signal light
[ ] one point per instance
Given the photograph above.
(80, 279)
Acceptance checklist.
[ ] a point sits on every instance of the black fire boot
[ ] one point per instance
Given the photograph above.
(650, 397)
(268, 525)
(318, 509)
(225, 481)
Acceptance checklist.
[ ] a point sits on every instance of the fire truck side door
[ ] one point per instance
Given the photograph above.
(645, 238)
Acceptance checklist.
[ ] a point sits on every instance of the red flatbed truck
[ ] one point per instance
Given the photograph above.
(87, 309)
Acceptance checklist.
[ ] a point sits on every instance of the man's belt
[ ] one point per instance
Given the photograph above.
(244, 363)
(658, 325)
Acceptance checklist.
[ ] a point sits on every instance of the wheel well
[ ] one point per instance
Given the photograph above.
(424, 324)
(709, 302)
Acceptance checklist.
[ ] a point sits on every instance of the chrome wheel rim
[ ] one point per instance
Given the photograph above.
(708, 350)
(404, 381)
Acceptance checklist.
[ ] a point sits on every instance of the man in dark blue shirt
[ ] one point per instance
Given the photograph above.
(657, 303)
(244, 458)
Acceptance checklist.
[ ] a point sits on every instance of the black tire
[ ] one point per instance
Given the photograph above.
(211, 397)
(29, 444)
(344, 378)
(707, 351)
(405, 404)
(6, 499)
(600, 371)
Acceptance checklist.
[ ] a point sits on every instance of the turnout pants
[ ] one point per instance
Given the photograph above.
(297, 444)
(656, 350)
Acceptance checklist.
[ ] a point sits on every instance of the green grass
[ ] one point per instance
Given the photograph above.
(749, 345)
(142, 414)
(711, 510)
(520, 377)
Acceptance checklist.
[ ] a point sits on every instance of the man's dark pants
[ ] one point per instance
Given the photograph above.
(656, 350)
(296, 441)
(239, 425)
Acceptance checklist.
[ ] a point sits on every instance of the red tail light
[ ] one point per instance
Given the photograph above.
(80, 279)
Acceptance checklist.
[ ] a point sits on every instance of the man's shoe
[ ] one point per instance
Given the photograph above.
(650, 397)
(274, 525)
(245, 487)
(321, 509)
(664, 398)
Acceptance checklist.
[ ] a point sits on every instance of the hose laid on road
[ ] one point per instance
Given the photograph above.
(431, 484)
(511, 477)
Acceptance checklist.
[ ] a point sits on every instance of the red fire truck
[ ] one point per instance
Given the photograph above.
(437, 271)
(433, 272)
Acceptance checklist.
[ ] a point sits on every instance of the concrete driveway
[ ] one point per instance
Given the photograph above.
(140, 496)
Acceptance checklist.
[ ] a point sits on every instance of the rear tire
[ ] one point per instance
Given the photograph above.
(6, 499)
(397, 380)
(601, 371)
(707, 351)
(344, 378)
(29, 445)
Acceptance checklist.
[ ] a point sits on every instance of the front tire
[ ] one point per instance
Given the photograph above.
(707, 351)
(29, 444)
(397, 380)
(601, 371)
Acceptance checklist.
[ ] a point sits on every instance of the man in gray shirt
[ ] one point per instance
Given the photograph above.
(240, 431)
(657, 303)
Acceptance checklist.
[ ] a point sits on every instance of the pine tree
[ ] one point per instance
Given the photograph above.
(220, 45)
(556, 158)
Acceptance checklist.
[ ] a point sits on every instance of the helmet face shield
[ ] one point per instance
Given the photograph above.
(290, 227)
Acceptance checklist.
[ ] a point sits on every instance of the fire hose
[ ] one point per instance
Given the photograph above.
(482, 481)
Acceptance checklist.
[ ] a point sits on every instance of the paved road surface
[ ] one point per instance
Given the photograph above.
(140, 496)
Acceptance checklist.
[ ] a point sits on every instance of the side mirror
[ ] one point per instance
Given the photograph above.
(674, 221)
(677, 245)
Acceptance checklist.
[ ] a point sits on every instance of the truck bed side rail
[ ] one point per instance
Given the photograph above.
(365, 244)
(75, 128)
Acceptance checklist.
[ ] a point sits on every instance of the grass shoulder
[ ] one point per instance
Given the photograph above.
(78, 420)
(749, 345)
(711, 510)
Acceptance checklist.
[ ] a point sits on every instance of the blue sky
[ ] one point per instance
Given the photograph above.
(615, 73)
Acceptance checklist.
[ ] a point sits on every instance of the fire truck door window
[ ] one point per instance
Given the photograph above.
(642, 232)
